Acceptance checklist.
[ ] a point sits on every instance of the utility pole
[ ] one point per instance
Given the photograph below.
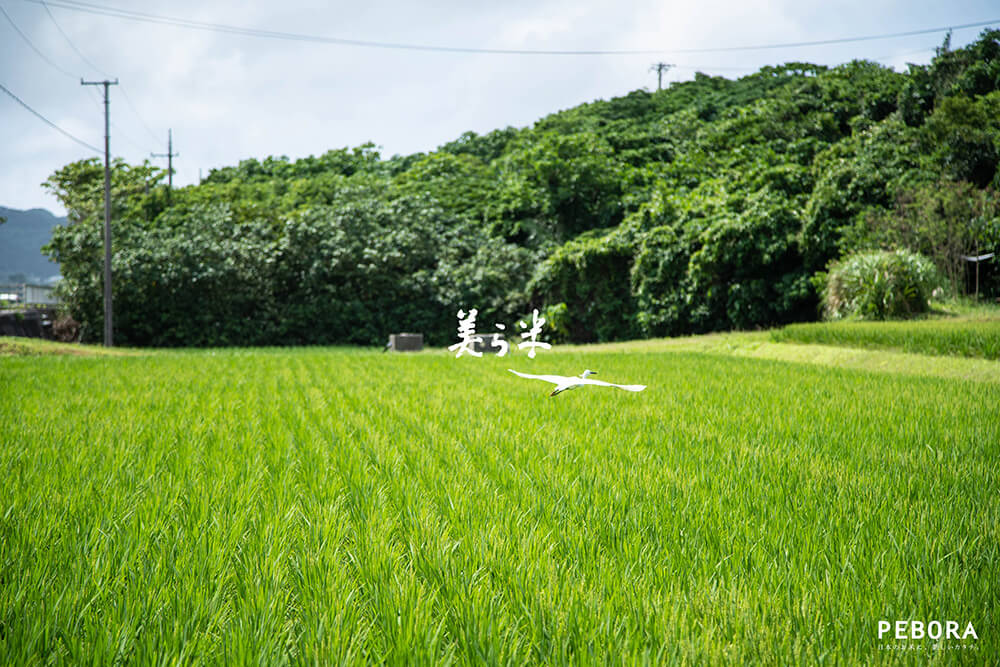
(660, 68)
(108, 340)
(170, 155)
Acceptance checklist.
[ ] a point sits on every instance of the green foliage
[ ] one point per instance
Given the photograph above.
(964, 137)
(747, 269)
(458, 183)
(970, 71)
(79, 186)
(343, 161)
(943, 221)
(700, 207)
(557, 323)
(358, 270)
(557, 187)
(854, 176)
(916, 98)
(591, 272)
(879, 285)
(659, 283)
(485, 148)
(351, 272)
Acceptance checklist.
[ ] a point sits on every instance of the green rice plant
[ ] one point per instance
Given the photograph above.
(878, 285)
(966, 338)
(329, 506)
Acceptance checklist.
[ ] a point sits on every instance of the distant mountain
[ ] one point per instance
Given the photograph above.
(21, 239)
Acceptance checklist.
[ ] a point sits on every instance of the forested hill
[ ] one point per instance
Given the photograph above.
(22, 235)
(709, 205)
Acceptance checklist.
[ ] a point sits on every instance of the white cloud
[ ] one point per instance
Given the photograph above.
(229, 97)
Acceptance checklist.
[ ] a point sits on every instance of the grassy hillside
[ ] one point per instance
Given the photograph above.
(333, 505)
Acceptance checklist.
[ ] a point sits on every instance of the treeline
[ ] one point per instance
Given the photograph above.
(709, 205)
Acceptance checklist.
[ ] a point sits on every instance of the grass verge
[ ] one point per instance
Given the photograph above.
(18, 346)
(965, 338)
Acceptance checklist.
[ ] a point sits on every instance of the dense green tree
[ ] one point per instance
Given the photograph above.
(853, 176)
(711, 204)
(79, 186)
(486, 148)
(747, 270)
(591, 274)
(659, 283)
(458, 183)
(964, 137)
(944, 221)
(557, 186)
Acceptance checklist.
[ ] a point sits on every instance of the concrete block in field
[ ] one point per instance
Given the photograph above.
(487, 346)
(406, 342)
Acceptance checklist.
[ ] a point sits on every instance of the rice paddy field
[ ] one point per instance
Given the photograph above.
(964, 338)
(330, 506)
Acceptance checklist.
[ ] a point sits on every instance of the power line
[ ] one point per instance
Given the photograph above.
(104, 10)
(142, 148)
(47, 121)
(716, 68)
(753, 68)
(90, 64)
(97, 99)
(68, 40)
(71, 75)
(38, 51)
(905, 54)
(32, 45)
(826, 42)
(52, 63)
(128, 101)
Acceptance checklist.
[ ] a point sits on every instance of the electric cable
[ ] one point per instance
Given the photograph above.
(132, 15)
(49, 122)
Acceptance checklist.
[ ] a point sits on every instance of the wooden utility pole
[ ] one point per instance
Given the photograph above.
(108, 339)
(170, 155)
(660, 68)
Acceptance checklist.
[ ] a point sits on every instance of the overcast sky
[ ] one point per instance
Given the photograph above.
(228, 97)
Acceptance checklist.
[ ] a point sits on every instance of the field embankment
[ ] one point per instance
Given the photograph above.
(19, 346)
(976, 337)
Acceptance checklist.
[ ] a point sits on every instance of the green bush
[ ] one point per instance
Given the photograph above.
(353, 273)
(878, 285)
(592, 273)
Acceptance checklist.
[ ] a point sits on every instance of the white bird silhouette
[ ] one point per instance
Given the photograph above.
(564, 383)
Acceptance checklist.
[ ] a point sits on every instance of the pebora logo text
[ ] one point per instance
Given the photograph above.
(906, 634)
